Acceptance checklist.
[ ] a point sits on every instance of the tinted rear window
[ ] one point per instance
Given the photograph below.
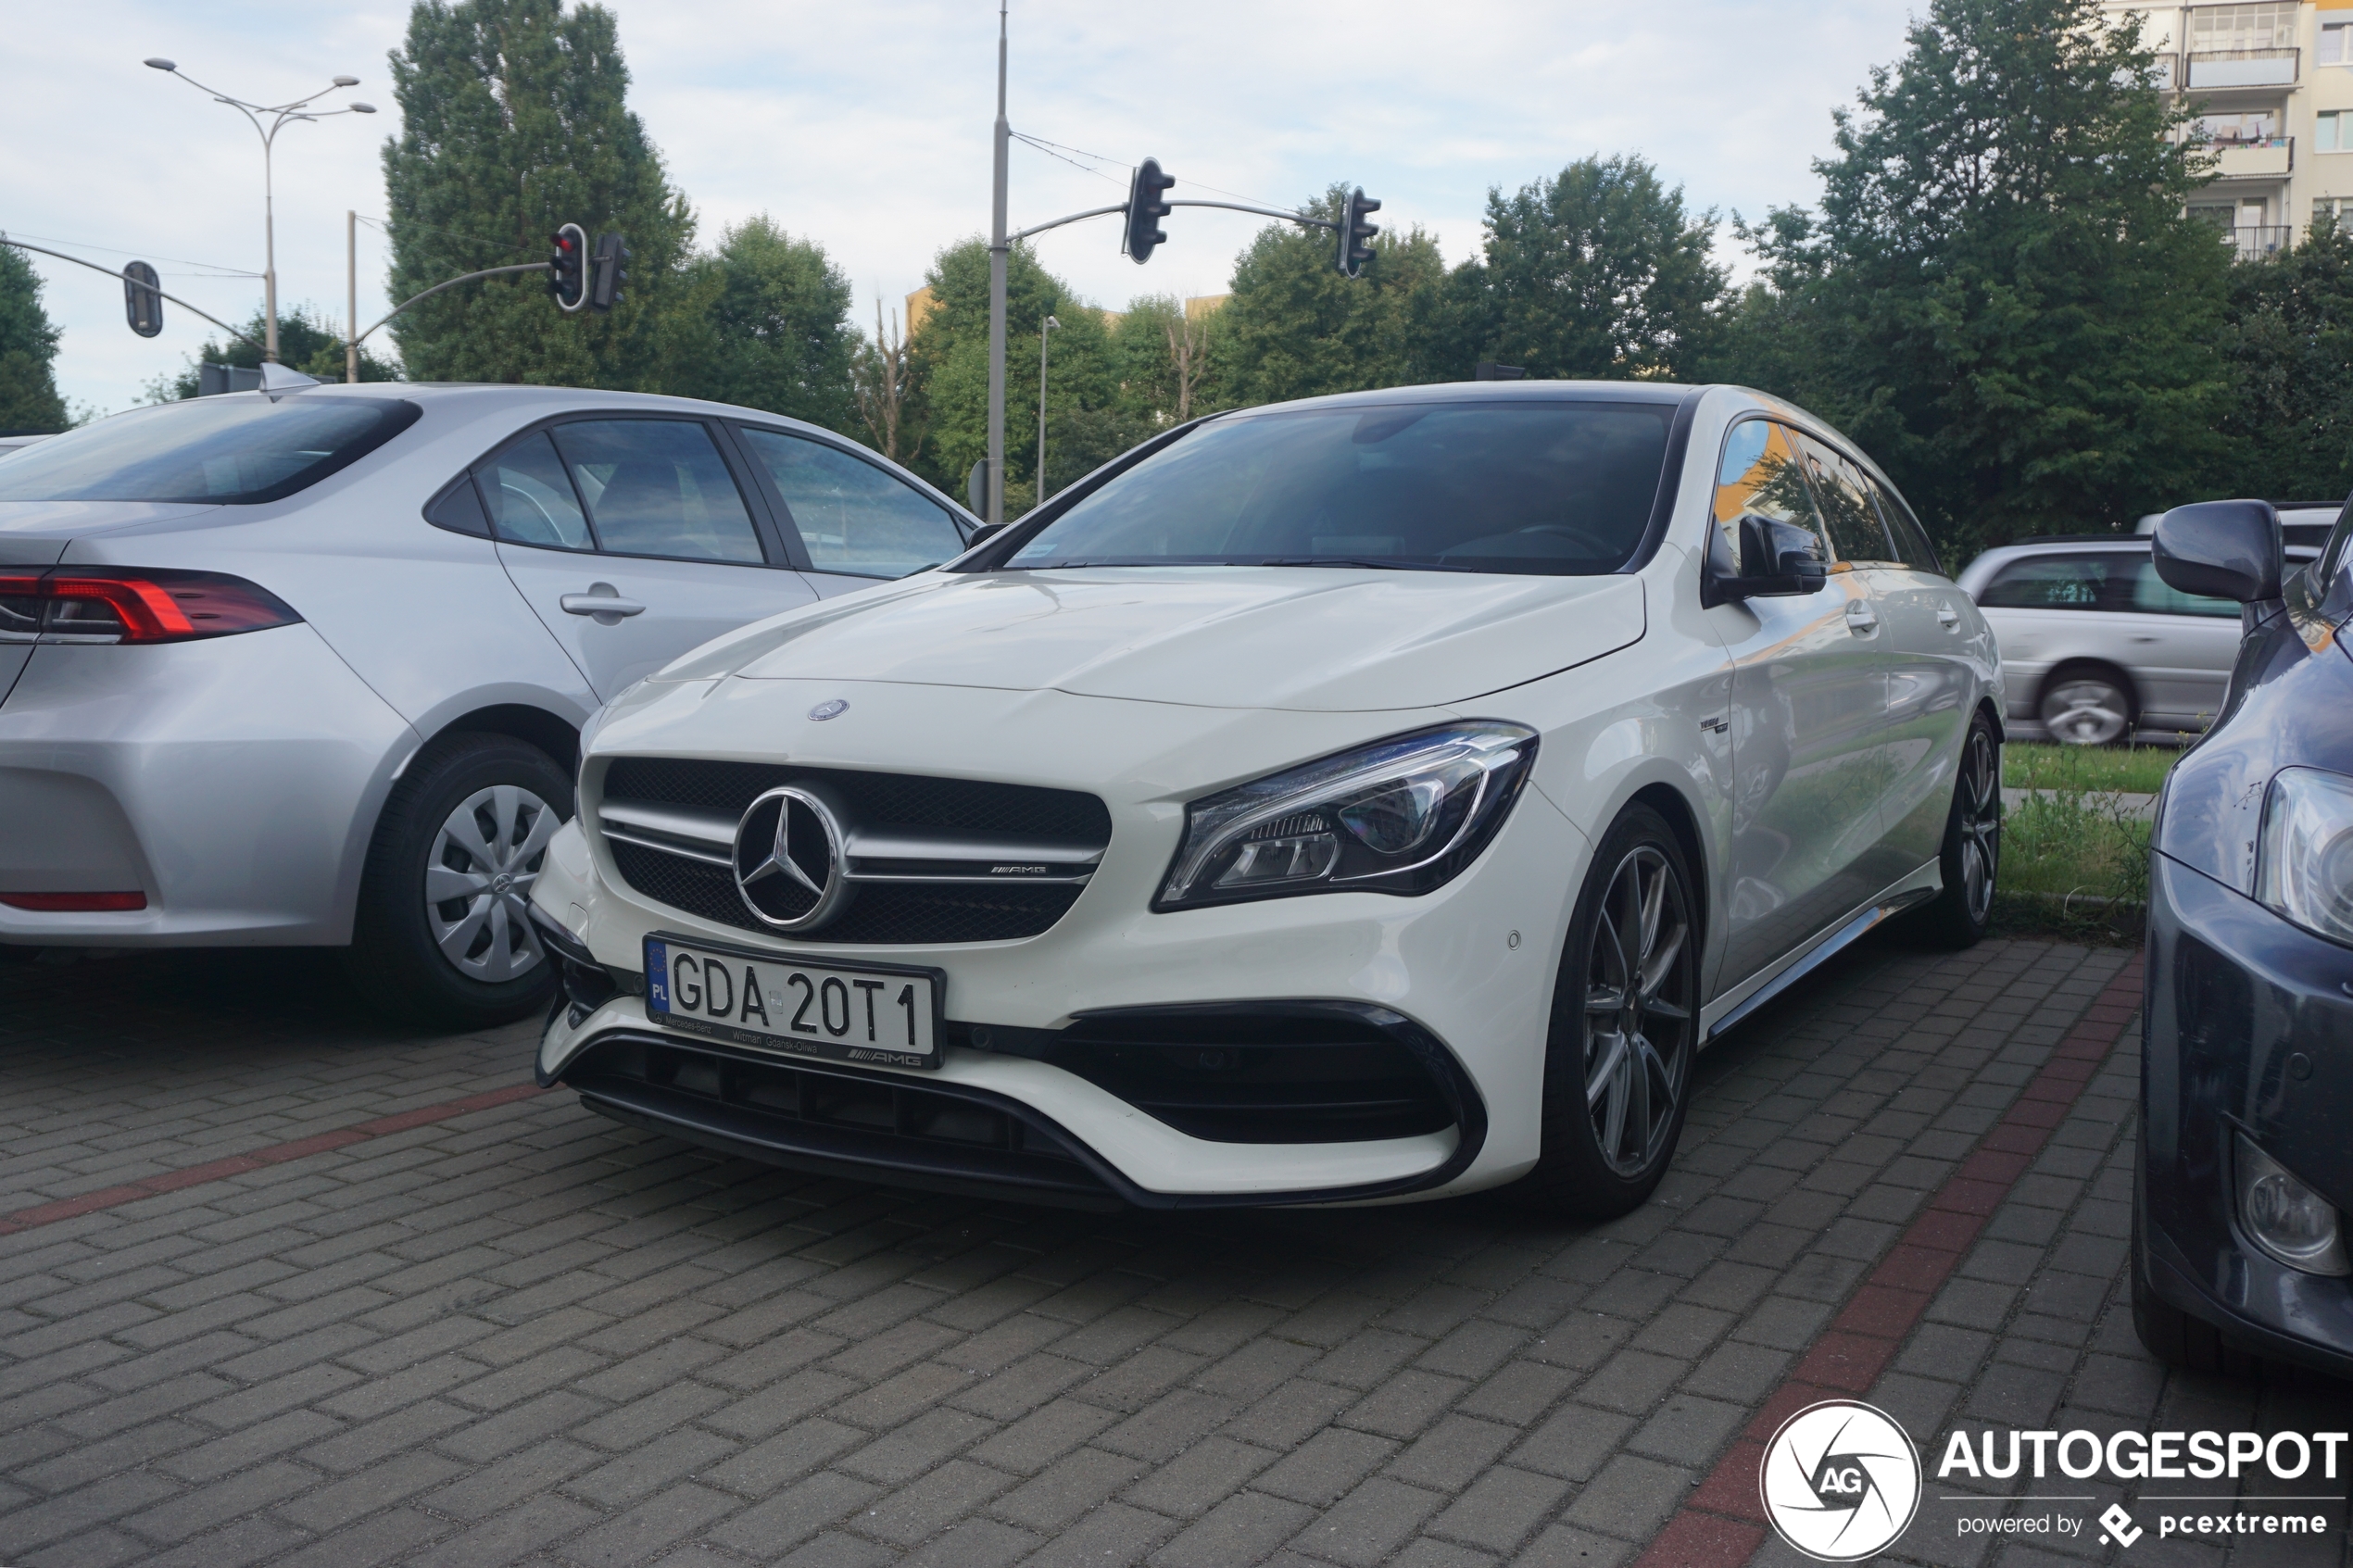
(232, 449)
(2056, 582)
(1533, 488)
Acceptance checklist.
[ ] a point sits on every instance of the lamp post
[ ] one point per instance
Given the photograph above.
(1045, 336)
(279, 115)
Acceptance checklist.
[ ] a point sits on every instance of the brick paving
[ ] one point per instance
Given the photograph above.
(522, 1333)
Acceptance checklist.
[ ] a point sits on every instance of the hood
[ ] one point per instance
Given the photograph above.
(1331, 640)
(36, 532)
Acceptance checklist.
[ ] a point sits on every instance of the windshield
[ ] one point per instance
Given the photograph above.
(1559, 488)
(228, 449)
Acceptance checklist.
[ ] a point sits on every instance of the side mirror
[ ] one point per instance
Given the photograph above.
(984, 534)
(1779, 559)
(2221, 550)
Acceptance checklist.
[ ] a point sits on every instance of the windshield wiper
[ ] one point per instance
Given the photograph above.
(1357, 561)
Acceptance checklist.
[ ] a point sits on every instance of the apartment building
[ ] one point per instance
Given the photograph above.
(2272, 84)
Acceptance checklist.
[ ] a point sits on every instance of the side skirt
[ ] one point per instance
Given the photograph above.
(1736, 1004)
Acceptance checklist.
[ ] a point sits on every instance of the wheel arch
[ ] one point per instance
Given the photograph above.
(1668, 802)
(533, 726)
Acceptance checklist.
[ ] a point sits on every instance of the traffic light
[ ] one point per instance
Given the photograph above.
(566, 279)
(142, 299)
(1355, 235)
(609, 271)
(1145, 210)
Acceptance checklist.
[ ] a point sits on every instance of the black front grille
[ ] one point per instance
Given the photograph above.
(811, 1117)
(898, 801)
(910, 913)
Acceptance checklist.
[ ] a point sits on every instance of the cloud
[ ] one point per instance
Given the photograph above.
(866, 126)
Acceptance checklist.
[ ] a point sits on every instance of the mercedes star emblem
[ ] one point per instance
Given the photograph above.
(788, 862)
(832, 708)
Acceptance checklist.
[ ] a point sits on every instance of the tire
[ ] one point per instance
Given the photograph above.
(1971, 858)
(472, 814)
(2173, 1336)
(2087, 705)
(1616, 1050)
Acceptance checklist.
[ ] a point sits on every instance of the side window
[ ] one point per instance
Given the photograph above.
(1760, 473)
(853, 516)
(2151, 594)
(659, 487)
(1912, 545)
(2051, 583)
(1856, 535)
(531, 501)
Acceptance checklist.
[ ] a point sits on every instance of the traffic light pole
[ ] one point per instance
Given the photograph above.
(352, 349)
(997, 247)
(118, 277)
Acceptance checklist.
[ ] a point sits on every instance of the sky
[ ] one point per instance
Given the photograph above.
(866, 126)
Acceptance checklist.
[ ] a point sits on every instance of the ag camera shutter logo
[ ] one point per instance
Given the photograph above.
(1839, 1481)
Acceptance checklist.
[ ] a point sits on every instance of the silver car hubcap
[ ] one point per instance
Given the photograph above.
(478, 881)
(1637, 1011)
(2085, 713)
(1980, 806)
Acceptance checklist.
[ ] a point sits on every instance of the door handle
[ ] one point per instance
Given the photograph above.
(2145, 639)
(1948, 617)
(1860, 620)
(600, 600)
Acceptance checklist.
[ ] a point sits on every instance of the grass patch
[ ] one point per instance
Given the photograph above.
(2138, 770)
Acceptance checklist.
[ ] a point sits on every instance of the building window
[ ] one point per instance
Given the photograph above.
(2336, 43)
(2327, 137)
(2215, 28)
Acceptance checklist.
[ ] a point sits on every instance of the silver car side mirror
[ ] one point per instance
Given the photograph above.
(2222, 550)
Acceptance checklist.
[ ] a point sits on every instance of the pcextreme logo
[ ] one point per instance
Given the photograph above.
(1839, 1481)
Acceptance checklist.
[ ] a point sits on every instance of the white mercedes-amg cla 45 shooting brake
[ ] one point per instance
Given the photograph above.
(1373, 796)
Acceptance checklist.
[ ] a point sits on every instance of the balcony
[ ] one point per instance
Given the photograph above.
(2255, 244)
(2274, 159)
(2243, 68)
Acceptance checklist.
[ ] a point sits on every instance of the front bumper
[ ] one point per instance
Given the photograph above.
(232, 781)
(1468, 967)
(2240, 1002)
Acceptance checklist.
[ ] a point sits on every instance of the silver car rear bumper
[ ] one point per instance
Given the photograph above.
(234, 782)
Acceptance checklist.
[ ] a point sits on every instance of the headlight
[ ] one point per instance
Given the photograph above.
(1402, 816)
(2285, 1217)
(2304, 869)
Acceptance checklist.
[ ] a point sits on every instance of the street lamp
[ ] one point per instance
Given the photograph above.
(1044, 336)
(281, 116)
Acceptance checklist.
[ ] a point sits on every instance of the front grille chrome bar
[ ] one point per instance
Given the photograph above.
(886, 854)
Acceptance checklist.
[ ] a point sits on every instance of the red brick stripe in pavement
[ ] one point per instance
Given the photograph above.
(275, 1154)
(1722, 1524)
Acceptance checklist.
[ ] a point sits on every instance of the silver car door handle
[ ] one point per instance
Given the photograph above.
(600, 604)
(1861, 621)
(1948, 617)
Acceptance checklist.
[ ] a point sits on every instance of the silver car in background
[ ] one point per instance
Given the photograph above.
(311, 667)
(2095, 648)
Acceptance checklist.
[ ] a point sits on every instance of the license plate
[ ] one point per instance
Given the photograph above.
(887, 1015)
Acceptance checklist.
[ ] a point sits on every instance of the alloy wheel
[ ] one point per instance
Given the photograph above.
(2086, 712)
(1639, 978)
(478, 881)
(1981, 807)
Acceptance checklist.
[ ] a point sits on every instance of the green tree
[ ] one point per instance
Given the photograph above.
(29, 399)
(309, 341)
(764, 321)
(514, 123)
(2001, 297)
(1174, 359)
(2289, 426)
(1296, 328)
(1596, 272)
(1089, 418)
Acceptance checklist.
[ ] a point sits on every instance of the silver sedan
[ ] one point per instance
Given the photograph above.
(309, 666)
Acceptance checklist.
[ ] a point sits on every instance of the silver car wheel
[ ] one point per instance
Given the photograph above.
(1637, 1011)
(1981, 805)
(2086, 711)
(478, 882)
